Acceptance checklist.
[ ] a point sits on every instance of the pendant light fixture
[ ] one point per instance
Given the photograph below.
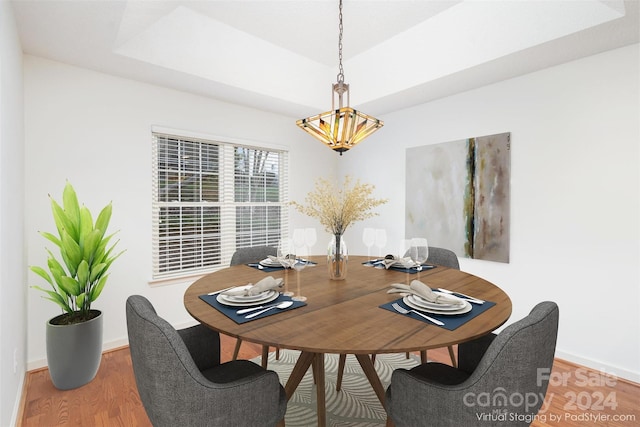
(341, 128)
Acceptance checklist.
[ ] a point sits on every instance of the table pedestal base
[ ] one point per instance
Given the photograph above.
(307, 359)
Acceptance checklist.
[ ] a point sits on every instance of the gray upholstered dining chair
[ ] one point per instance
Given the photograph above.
(497, 374)
(437, 256)
(182, 383)
(245, 256)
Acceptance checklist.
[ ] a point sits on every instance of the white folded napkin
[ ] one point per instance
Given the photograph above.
(263, 285)
(285, 262)
(402, 262)
(423, 291)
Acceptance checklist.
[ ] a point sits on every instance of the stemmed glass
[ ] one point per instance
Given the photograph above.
(403, 248)
(286, 259)
(310, 237)
(301, 261)
(298, 238)
(368, 238)
(380, 239)
(419, 252)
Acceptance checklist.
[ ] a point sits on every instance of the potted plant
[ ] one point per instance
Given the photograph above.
(76, 279)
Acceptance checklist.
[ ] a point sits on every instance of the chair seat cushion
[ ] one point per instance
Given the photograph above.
(440, 373)
(231, 371)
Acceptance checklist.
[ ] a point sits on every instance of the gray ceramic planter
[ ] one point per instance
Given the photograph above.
(74, 352)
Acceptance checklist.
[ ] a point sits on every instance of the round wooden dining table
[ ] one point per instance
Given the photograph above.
(345, 317)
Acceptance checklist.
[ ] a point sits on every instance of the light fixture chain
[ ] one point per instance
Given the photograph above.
(341, 70)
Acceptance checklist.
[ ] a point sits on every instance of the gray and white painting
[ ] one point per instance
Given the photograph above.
(458, 196)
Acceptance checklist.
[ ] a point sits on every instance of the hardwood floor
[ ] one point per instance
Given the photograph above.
(576, 396)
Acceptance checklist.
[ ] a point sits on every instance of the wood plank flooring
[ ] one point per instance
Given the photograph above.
(111, 399)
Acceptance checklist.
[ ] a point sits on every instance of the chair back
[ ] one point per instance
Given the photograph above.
(443, 257)
(252, 254)
(519, 360)
(162, 364)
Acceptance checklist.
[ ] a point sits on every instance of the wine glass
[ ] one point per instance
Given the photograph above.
(310, 237)
(403, 248)
(286, 259)
(368, 238)
(300, 262)
(419, 252)
(298, 238)
(380, 239)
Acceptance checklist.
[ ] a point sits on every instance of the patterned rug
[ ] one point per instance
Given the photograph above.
(355, 405)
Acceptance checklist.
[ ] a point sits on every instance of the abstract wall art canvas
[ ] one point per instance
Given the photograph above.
(458, 196)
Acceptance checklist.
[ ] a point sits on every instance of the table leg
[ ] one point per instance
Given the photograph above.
(301, 367)
(320, 395)
(265, 356)
(341, 363)
(372, 375)
(452, 355)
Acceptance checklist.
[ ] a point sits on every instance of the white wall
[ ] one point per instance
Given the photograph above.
(575, 138)
(12, 257)
(95, 130)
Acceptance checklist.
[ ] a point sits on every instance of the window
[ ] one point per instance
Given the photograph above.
(211, 197)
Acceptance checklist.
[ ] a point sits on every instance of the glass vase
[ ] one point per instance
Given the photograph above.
(337, 258)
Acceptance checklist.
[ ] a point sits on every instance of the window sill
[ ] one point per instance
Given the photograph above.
(180, 279)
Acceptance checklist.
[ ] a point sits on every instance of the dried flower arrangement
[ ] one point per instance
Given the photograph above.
(337, 208)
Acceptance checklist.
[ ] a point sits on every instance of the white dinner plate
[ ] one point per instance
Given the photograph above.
(232, 300)
(403, 264)
(270, 263)
(249, 298)
(417, 300)
(465, 309)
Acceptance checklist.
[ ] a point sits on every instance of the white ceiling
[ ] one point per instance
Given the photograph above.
(282, 56)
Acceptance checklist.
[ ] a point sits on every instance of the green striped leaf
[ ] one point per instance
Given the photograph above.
(52, 238)
(83, 273)
(80, 300)
(61, 219)
(71, 209)
(97, 289)
(102, 223)
(42, 273)
(96, 271)
(55, 298)
(70, 286)
(86, 225)
(71, 248)
(91, 242)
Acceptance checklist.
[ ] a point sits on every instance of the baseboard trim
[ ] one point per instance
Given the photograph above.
(18, 407)
(594, 365)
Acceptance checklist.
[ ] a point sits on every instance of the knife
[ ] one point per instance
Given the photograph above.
(246, 310)
(467, 297)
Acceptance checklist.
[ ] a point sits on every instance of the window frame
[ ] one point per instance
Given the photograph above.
(226, 199)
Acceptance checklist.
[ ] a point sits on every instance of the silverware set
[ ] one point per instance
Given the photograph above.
(402, 310)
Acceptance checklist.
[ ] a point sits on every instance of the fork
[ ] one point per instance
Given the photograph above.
(402, 310)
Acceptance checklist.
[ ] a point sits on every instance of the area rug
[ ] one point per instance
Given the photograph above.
(355, 405)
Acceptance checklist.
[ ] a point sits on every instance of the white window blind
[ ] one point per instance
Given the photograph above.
(212, 197)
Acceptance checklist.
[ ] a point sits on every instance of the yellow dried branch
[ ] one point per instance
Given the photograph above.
(337, 208)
